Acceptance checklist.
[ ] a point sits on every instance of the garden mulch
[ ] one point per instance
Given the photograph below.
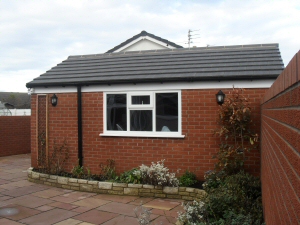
(23, 202)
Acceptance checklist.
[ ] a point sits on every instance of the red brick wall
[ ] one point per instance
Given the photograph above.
(194, 152)
(280, 147)
(14, 135)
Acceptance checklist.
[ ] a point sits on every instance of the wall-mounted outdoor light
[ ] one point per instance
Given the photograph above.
(220, 97)
(54, 100)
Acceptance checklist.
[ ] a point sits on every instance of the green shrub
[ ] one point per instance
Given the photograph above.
(187, 179)
(130, 177)
(234, 199)
(108, 171)
(239, 193)
(81, 172)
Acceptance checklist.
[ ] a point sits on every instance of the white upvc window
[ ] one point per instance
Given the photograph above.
(142, 114)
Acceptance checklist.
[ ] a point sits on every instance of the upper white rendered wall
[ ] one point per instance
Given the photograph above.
(143, 45)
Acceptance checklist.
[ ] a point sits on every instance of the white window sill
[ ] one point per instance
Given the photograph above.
(151, 135)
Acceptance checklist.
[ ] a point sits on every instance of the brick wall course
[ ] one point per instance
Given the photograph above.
(280, 149)
(14, 135)
(194, 152)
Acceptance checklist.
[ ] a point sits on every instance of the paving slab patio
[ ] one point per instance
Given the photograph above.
(45, 205)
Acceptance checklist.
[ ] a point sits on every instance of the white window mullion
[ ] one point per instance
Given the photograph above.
(154, 113)
(179, 113)
(128, 111)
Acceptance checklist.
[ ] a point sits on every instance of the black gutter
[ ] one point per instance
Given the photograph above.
(183, 79)
(79, 113)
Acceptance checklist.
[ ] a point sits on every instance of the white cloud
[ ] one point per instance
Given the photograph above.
(37, 35)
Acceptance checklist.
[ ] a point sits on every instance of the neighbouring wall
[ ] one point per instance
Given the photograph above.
(14, 135)
(280, 158)
(194, 152)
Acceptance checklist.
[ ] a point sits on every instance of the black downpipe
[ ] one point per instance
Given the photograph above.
(79, 111)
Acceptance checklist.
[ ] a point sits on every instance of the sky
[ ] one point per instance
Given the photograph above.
(36, 35)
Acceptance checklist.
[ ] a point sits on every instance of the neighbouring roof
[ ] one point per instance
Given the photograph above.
(143, 33)
(16, 100)
(240, 62)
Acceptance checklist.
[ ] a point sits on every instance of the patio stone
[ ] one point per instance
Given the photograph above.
(95, 216)
(47, 193)
(42, 204)
(141, 201)
(24, 190)
(86, 223)
(45, 208)
(62, 205)
(164, 220)
(63, 199)
(161, 204)
(82, 209)
(23, 212)
(117, 198)
(90, 202)
(69, 222)
(122, 220)
(29, 201)
(49, 217)
(9, 222)
(164, 213)
(119, 208)
(78, 195)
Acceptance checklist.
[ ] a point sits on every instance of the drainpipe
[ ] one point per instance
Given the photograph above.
(79, 117)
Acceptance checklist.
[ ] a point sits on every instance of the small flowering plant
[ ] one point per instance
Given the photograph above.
(193, 214)
(157, 174)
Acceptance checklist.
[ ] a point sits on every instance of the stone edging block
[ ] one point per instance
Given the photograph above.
(145, 190)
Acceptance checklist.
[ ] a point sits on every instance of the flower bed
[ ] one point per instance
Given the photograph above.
(100, 187)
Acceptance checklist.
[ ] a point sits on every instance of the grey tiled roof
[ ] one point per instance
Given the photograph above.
(18, 100)
(241, 62)
(143, 33)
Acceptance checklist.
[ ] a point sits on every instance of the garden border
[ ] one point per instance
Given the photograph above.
(142, 190)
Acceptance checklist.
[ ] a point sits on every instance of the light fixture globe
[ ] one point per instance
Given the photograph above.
(220, 96)
(54, 100)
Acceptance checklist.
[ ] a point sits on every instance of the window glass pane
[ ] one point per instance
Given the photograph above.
(140, 120)
(140, 100)
(116, 112)
(167, 112)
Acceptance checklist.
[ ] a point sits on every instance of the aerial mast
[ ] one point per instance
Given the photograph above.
(192, 36)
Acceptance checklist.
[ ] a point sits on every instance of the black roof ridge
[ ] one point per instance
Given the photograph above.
(143, 33)
(208, 48)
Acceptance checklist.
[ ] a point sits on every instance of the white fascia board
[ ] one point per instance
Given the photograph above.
(56, 90)
(179, 86)
(142, 38)
(159, 86)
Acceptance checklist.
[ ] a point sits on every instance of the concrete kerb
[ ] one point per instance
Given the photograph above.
(101, 187)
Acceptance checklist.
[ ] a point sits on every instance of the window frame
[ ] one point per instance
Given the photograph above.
(151, 106)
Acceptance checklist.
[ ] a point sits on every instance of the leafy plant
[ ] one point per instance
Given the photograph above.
(54, 163)
(58, 157)
(108, 171)
(157, 174)
(130, 177)
(235, 121)
(233, 199)
(187, 179)
(81, 172)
